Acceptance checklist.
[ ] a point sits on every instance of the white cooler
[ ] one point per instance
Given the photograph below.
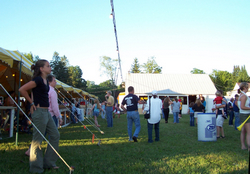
(207, 127)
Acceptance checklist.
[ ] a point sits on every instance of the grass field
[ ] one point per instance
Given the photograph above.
(178, 151)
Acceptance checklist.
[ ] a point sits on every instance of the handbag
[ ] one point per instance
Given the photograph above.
(147, 115)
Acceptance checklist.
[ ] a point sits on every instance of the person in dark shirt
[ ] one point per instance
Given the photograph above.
(41, 118)
(131, 101)
(198, 108)
(231, 111)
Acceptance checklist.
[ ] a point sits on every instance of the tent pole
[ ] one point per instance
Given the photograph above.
(18, 102)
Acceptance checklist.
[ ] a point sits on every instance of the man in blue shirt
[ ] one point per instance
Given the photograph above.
(132, 101)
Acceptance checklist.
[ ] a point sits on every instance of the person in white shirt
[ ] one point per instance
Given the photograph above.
(155, 115)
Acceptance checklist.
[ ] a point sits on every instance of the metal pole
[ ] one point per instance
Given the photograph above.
(18, 102)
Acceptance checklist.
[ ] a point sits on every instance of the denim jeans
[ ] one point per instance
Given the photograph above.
(162, 111)
(237, 120)
(191, 119)
(176, 118)
(150, 128)
(109, 112)
(103, 113)
(133, 116)
(231, 117)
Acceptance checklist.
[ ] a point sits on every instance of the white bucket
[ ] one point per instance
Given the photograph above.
(207, 127)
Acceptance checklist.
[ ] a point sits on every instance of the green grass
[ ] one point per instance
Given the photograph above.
(178, 151)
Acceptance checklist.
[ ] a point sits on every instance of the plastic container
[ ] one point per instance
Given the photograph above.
(207, 127)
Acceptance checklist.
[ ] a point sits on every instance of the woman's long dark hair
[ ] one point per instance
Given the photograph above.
(37, 66)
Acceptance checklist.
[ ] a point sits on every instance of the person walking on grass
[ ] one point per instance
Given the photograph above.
(41, 118)
(155, 105)
(131, 101)
(109, 108)
(175, 109)
(96, 107)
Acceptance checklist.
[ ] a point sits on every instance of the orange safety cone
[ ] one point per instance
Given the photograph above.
(84, 126)
(93, 138)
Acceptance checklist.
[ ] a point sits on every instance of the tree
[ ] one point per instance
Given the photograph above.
(90, 83)
(197, 71)
(222, 80)
(243, 75)
(235, 73)
(135, 67)
(29, 56)
(151, 66)
(108, 66)
(75, 77)
(59, 68)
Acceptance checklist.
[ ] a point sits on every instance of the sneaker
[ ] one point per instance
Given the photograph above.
(135, 139)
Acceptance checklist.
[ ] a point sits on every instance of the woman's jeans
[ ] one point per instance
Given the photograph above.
(150, 128)
(191, 119)
(237, 120)
(166, 113)
(109, 112)
(176, 118)
(162, 111)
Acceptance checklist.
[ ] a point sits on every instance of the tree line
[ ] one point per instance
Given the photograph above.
(72, 75)
(225, 80)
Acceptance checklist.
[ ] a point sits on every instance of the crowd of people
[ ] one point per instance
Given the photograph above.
(45, 114)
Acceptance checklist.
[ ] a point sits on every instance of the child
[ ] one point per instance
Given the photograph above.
(96, 107)
(191, 112)
(218, 102)
(117, 111)
(103, 110)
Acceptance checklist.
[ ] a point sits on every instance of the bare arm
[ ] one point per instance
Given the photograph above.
(122, 106)
(24, 92)
(25, 88)
(92, 108)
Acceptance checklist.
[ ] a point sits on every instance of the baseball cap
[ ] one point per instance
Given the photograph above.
(154, 92)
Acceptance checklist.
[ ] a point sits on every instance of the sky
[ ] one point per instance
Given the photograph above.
(180, 34)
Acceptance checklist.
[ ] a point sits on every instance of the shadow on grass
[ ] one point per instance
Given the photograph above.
(178, 151)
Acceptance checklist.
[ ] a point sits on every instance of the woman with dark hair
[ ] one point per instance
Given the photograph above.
(203, 101)
(166, 103)
(41, 118)
(198, 108)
